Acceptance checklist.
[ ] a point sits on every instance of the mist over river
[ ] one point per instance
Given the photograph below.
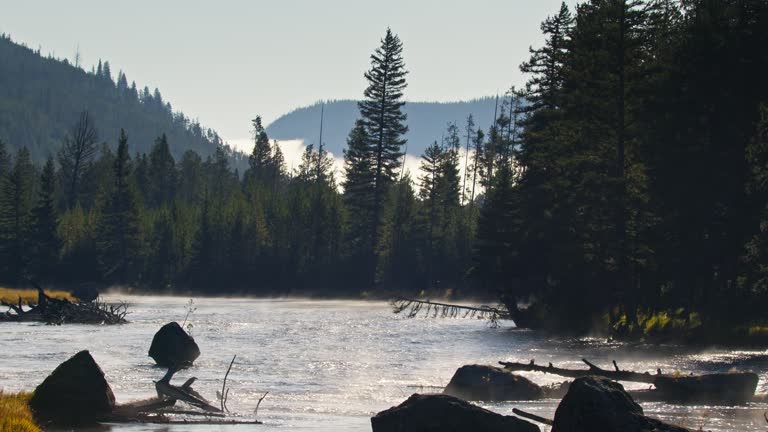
(330, 365)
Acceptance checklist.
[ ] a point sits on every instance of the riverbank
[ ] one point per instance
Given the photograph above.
(15, 415)
(29, 296)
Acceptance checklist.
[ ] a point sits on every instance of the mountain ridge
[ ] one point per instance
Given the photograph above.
(427, 121)
(41, 97)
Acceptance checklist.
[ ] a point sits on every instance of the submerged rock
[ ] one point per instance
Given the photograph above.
(76, 393)
(443, 413)
(172, 347)
(488, 383)
(595, 404)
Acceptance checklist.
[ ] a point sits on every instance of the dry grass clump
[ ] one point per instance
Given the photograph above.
(15, 415)
(29, 296)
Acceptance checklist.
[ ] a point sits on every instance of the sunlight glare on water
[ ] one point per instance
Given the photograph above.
(330, 365)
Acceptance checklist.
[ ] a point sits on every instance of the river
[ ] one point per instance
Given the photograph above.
(330, 365)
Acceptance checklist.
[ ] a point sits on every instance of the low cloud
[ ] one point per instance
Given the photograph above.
(293, 149)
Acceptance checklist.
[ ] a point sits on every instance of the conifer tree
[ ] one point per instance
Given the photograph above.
(119, 235)
(384, 123)
(162, 174)
(359, 190)
(16, 218)
(46, 244)
(261, 156)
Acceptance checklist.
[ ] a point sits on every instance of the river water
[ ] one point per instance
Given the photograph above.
(330, 365)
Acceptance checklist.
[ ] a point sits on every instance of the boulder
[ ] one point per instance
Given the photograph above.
(721, 388)
(172, 347)
(76, 393)
(443, 413)
(600, 405)
(488, 383)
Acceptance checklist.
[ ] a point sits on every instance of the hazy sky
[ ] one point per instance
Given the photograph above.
(225, 61)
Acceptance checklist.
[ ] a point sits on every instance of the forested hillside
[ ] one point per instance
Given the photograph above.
(426, 122)
(629, 192)
(42, 97)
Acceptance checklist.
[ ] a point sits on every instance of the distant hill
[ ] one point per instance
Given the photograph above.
(427, 122)
(42, 97)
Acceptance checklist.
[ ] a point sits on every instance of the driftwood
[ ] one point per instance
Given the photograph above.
(533, 417)
(184, 393)
(430, 309)
(53, 311)
(161, 410)
(616, 375)
(727, 388)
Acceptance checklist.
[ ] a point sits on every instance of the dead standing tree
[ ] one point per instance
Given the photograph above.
(76, 154)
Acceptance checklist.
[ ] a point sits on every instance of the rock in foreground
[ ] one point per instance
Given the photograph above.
(76, 393)
(600, 405)
(488, 383)
(172, 347)
(443, 413)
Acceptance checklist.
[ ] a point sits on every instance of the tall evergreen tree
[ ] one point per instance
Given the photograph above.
(162, 174)
(46, 244)
(16, 218)
(384, 122)
(358, 193)
(119, 234)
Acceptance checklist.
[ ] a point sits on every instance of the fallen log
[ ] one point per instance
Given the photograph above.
(593, 370)
(184, 393)
(533, 417)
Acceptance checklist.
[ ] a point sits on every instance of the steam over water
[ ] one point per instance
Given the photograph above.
(330, 365)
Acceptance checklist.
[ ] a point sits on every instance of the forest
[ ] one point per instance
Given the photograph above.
(628, 177)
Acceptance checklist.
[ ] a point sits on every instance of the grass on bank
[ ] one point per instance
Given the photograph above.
(29, 296)
(15, 415)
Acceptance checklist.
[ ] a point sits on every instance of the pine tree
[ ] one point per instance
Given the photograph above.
(16, 218)
(162, 174)
(119, 234)
(358, 191)
(546, 63)
(261, 156)
(46, 244)
(5, 161)
(383, 120)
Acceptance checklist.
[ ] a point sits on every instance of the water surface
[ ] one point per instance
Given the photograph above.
(330, 365)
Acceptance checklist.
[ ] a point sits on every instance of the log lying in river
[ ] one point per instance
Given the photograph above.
(616, 375)
(53, 311)
(718, 388)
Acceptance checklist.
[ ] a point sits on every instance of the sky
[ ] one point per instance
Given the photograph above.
(223, 62)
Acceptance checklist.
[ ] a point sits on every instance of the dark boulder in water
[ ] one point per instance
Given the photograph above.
(721, 388)
(172, 347)
(76, 393)
(488, 383)
(595, 404)
(443, 413)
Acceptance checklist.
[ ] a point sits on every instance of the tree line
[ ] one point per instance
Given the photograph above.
(627, 176)
(637, 183)
(109, 217)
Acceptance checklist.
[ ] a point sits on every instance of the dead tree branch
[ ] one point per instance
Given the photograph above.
(616, 375)
(430, 309)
